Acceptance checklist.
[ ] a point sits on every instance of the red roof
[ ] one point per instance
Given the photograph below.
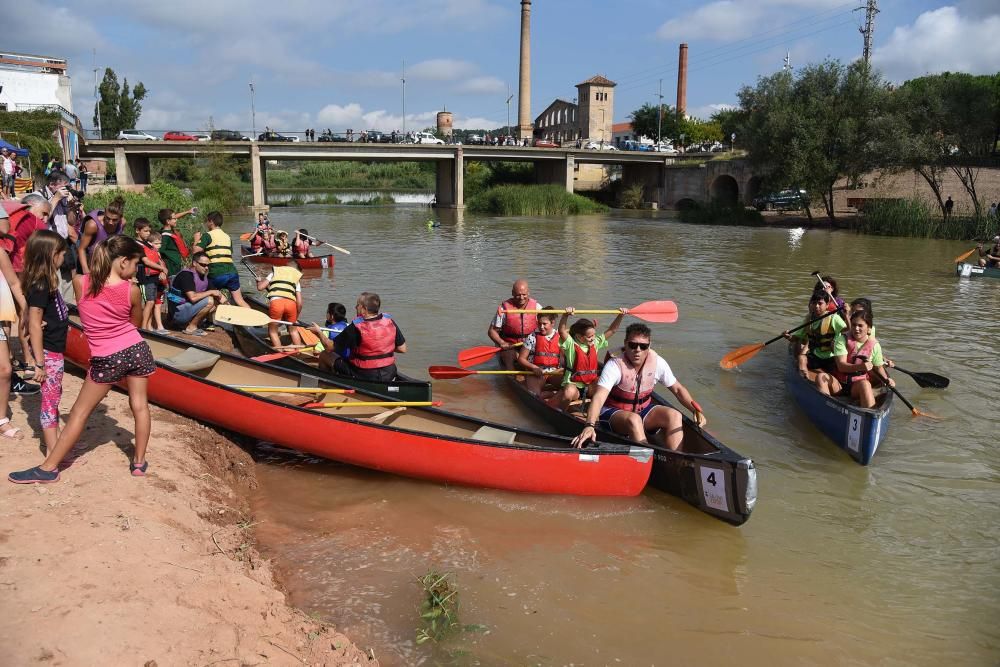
(621, 127)
(597, 80)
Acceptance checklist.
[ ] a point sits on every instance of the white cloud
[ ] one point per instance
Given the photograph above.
(441, 69)
(939, 41)
(336, 115)
(482, 85)
(728, 20)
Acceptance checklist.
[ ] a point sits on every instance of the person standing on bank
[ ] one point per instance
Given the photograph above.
(222, 272)
(623, 398)
(507, 330)
(949, 206)
(98, 226)
(372, 340)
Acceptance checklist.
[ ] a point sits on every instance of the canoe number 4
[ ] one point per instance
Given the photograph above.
(854, 433)
(713, 488)
(325, 263)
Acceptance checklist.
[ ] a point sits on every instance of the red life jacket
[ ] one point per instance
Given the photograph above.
(517, 326)
(378, 343)
(584, 365)
(635, 389)
(153, 255)
(546, 353)
(853, 354)
(17, 213)
(182, 248)
(301, 247)
(256, 241)
(269, 245)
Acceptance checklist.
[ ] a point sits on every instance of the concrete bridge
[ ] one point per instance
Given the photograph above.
(669, 181)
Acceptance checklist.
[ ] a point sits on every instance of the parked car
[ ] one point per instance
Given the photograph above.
(598, 146)
(545, 143)
(785, 200)
(327, 136)
(426, 138)
(228, 135)
(201, 136)
(271, 135)
(176, 135)
(135, 135)
(476, 140)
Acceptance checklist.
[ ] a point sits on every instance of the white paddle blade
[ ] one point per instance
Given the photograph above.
(243, 317)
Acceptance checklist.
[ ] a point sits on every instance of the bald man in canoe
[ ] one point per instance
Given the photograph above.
(509, 329)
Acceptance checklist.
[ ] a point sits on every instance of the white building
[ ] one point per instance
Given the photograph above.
(29, 82)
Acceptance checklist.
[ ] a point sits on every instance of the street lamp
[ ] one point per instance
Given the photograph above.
(253, 114)
(510, 96)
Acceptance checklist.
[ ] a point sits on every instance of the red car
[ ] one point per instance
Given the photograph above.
(173, 135)
(539, 143)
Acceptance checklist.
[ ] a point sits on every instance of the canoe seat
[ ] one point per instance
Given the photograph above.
(490, 434)
(191, 359)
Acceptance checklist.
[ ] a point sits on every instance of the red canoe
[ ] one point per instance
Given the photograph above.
(321, 262)
(423, 443)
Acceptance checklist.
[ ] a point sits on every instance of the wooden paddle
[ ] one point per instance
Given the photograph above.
(913, 410)
(743, 354)
(661, 312)
(291, 390)
(281, 355)
(453, 373)
(925, 380)
(245, 317)
(376, 404)
(474, 356)
(335, 247)
(965, 256)
(247, 236)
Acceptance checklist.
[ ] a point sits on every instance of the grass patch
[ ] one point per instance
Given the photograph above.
(911, 217)
(532, 200)
(718, 213)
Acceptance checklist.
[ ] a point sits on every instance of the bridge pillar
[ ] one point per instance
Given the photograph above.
(131, 169)
(649, 176)
(556, 172)
(258, 180)
(450, 190)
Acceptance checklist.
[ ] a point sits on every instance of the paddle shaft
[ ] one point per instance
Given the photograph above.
(375, 404)
(253, 273)
(563, 312)
(801, 326)
(335, 247)
(291, 390)
(902, 398)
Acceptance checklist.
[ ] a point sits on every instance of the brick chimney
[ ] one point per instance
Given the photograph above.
(524, 127)
(682, 80)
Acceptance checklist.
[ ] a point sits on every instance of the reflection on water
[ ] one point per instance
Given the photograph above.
(839, 563)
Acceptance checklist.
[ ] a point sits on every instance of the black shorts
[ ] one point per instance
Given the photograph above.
(814, 363)
(133, 361)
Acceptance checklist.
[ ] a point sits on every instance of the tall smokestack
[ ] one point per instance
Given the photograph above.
(524, 78)
(682, 80)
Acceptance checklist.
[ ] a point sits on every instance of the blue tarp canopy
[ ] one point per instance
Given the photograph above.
(23, 152)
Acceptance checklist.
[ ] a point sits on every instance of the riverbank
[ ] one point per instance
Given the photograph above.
(104, 568)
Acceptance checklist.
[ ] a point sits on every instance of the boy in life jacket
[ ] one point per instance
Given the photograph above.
(222, 273)
(859, 361)
(542, 354)
(373, 340)
(814, 350)
(284, 295)
(622, 399)
(283, 247)
(580, 346)
(151, 275)
(173, 249)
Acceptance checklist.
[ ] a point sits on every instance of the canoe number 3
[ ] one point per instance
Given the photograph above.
(854, 433)
(713, 488)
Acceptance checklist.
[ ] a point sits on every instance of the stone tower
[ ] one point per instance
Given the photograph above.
(596, 101)
(524, 130)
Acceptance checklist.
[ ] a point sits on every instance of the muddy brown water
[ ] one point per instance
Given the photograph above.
(896, 563)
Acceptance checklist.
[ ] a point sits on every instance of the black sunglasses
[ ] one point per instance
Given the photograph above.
(632, 345)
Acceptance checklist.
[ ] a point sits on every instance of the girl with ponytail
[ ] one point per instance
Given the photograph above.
(110, 309)
(98, 226)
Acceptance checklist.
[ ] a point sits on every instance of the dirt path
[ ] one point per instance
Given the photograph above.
(105, 569)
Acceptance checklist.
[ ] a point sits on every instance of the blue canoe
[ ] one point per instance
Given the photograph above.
(856, 430)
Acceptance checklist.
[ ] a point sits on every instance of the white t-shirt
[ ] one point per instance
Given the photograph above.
(8, 166)
(529, 342)
(612, 375)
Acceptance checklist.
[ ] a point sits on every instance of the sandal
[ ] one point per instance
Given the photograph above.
(8, 430)
(138, 470)
(209, 327)
(196, 332)
(34, 476)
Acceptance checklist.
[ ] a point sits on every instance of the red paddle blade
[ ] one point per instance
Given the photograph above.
(474, 356)
(274, 355)
(662, 312)
(921, 413)
(740, 355)
(449, 372)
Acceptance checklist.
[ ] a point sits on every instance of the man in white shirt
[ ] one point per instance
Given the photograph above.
(9, 170)
(622, 401)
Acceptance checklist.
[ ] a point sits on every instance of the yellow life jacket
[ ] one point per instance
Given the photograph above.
(283, 283)
(220, 247)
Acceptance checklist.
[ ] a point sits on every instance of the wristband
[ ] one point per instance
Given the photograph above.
(590, 424)
(694, 404)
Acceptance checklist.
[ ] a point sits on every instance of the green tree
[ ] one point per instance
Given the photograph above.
(646, 122)
(117, 107)
(730, 122)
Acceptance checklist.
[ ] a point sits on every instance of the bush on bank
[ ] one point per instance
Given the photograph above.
(148, 204)
(912, 217)
(718, 213)
(532, 200)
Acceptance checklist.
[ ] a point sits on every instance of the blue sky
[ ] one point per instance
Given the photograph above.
(337, 63)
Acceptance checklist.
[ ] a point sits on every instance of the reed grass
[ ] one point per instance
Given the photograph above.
(532, 200)
(718, 213)
(912, 217)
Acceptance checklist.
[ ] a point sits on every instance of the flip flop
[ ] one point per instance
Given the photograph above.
(11, 432)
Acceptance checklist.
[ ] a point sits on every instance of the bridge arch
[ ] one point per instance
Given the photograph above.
(753, 189)
(725, 189)
(685, 204)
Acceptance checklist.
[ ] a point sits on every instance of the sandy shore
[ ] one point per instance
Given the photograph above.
(105, 569)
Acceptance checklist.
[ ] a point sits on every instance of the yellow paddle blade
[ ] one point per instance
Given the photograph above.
(740, 355)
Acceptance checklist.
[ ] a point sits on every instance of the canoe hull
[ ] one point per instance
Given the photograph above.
(321, 262)
(966, 270)
(718, 481)
(856, 430)
(548, 466)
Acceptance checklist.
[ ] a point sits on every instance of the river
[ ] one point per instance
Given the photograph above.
(895, 563)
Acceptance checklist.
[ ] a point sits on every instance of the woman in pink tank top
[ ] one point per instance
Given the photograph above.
(110, 310)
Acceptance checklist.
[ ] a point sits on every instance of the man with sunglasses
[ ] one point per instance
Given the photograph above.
(622, 401)
(190, 298)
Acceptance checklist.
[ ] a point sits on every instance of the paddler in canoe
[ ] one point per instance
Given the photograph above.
(859, 361)
(366, 349)
(509, 330)
(990, 257)
(622, 397)
(542, 354)
(580, 347)
(814, 346)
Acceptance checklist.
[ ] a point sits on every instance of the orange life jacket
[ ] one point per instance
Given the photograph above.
(854, 353)
(584, 365)
(635, 389)
(517, 326)
(546, 353)
(378, 343)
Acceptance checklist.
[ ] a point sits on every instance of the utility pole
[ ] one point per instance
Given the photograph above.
(510, 96)
(788, 61)
(97, 99)
(871, 9)
(253, 115)
(659, 115)
(403, 79)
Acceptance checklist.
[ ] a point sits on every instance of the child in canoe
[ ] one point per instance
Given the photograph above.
(834, 304)
(336, 321)
(580, 346)
(283, 247)
(814, 351)
(542, 354)
(859, 360)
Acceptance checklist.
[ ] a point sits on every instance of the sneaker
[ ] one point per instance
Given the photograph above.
(34, 476)
(138, 470)
(22, 388)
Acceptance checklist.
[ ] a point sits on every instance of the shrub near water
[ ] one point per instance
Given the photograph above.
(532, 200)
(911, 217)
(148, 204)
